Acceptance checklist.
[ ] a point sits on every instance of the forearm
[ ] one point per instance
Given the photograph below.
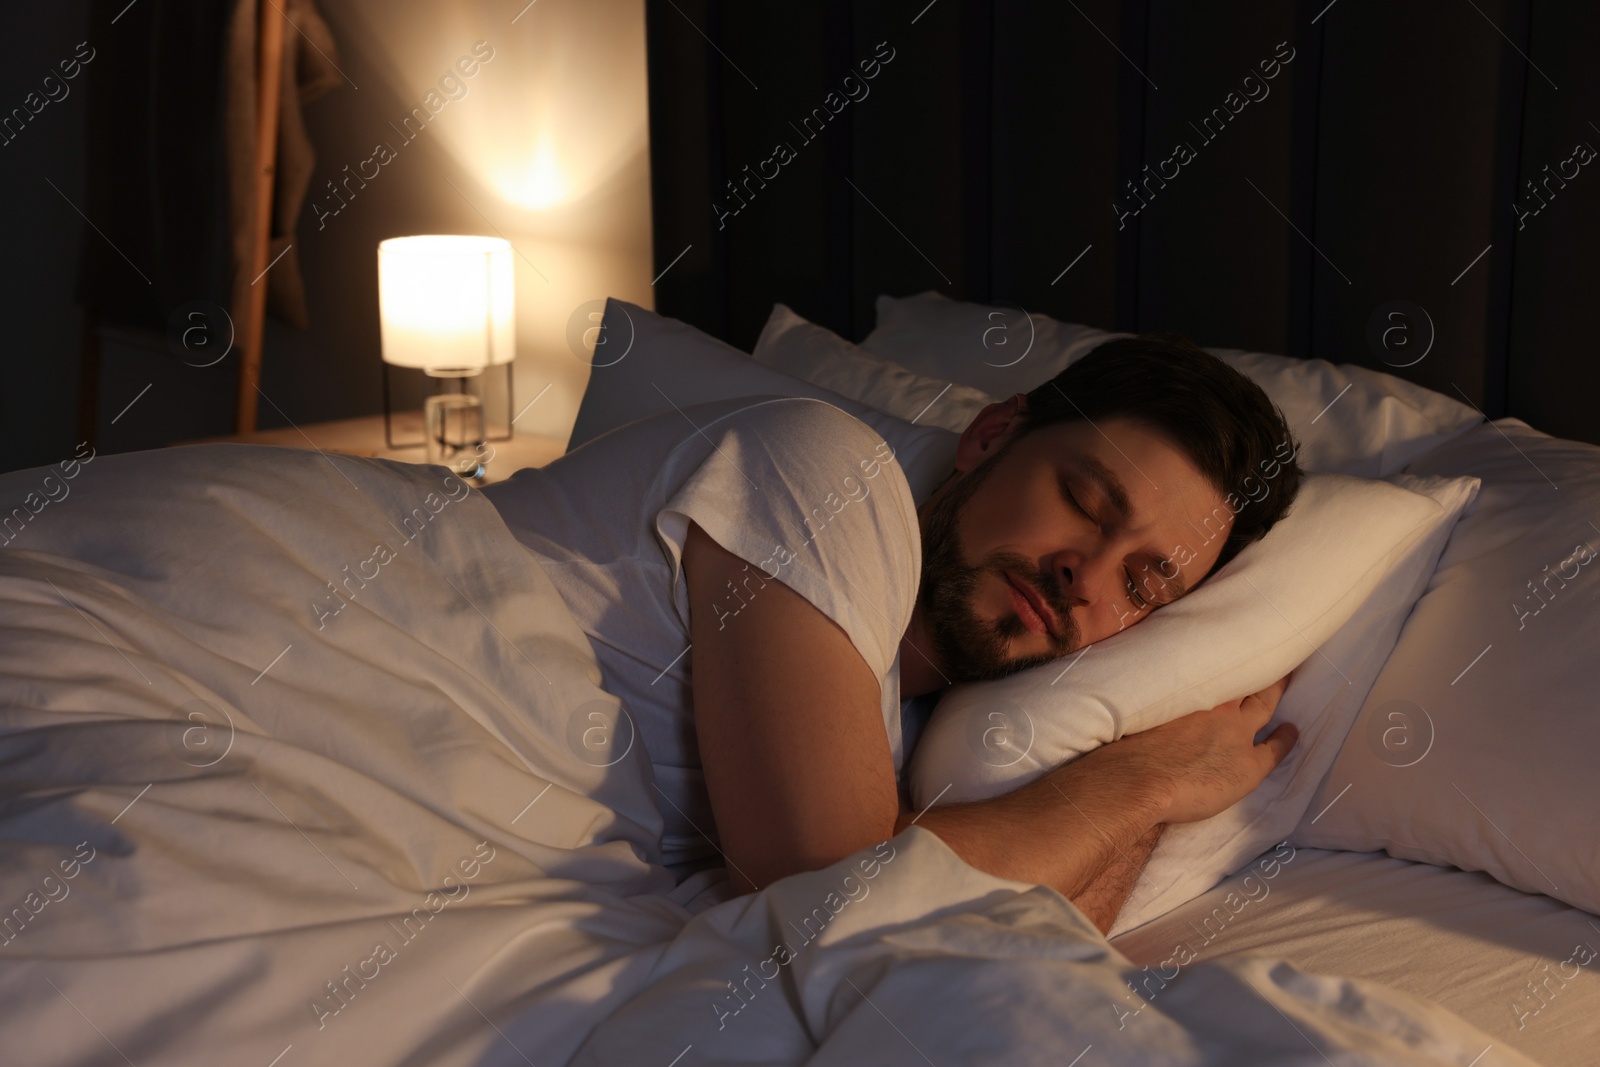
(1103, 898)
(1062, 830)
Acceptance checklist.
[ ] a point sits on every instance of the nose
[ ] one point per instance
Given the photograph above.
(1084, 579)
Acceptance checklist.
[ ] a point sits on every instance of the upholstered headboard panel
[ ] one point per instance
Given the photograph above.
(997, 151)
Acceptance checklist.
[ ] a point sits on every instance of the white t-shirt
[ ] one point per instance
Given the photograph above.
(803, 492)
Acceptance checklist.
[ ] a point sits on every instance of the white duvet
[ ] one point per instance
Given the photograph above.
(302, 760)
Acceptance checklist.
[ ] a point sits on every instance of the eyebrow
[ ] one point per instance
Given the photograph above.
(1109, 483)
(1117, 493)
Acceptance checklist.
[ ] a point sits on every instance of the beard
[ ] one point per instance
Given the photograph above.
(971, 649)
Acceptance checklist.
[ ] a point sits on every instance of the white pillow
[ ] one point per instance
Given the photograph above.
(1479, 745)
(1348, 419)
(667, 364)
(1000, 350)
(1193, 857)
(1249, 624)
(816, 354)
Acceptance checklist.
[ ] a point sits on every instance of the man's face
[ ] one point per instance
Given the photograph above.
(1050, 541)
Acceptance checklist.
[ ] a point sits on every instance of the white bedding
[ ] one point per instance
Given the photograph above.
(220, 797)
(1508, 961)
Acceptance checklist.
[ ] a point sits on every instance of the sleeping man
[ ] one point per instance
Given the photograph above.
(773, 545)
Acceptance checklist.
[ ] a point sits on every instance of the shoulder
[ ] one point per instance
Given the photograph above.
(813, 497)
(809, 448)
(818, 459)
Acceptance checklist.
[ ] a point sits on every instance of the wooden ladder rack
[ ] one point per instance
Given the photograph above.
(251, 314)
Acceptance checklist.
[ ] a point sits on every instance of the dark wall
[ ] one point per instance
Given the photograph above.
(38, 237)
(1393, 145)
(83, 224)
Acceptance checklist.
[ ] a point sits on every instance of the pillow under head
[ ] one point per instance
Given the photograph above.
(1323, 594)
(1249, 624)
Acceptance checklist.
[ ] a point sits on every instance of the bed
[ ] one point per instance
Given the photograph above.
(1492, 954)
(305, 761)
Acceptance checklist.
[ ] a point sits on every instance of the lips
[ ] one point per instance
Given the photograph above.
(1035, 601)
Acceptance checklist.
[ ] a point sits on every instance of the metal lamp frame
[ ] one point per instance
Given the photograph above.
(388, 411)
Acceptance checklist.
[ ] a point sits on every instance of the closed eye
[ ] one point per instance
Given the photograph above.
(1134, 596)
(1066, 493)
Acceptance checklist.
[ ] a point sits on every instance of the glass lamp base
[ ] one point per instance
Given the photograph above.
(454, 427)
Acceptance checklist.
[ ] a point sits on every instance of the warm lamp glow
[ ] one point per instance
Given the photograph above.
(540, 182)
(447, 304)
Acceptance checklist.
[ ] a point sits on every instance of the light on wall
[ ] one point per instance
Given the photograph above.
(447, 306)
(541, 182)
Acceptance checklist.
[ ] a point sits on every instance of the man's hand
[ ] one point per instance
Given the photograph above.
(1209, 760)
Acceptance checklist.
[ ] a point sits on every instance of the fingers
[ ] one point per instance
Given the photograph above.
(1261, 705)
(1279, 742)
(1258, 708)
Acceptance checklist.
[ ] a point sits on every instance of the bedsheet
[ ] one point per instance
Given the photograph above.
(1521, 966)
(302, 760)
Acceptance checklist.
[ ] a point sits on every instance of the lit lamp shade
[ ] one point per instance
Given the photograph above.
(447, 304)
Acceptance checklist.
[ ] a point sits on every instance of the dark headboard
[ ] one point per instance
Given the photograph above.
(992, 157)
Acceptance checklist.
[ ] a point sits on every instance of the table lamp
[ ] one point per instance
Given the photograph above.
(447, 306)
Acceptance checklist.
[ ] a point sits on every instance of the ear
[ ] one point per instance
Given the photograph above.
(992, 427)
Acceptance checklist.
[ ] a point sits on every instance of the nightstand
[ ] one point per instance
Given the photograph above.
(364, 437)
